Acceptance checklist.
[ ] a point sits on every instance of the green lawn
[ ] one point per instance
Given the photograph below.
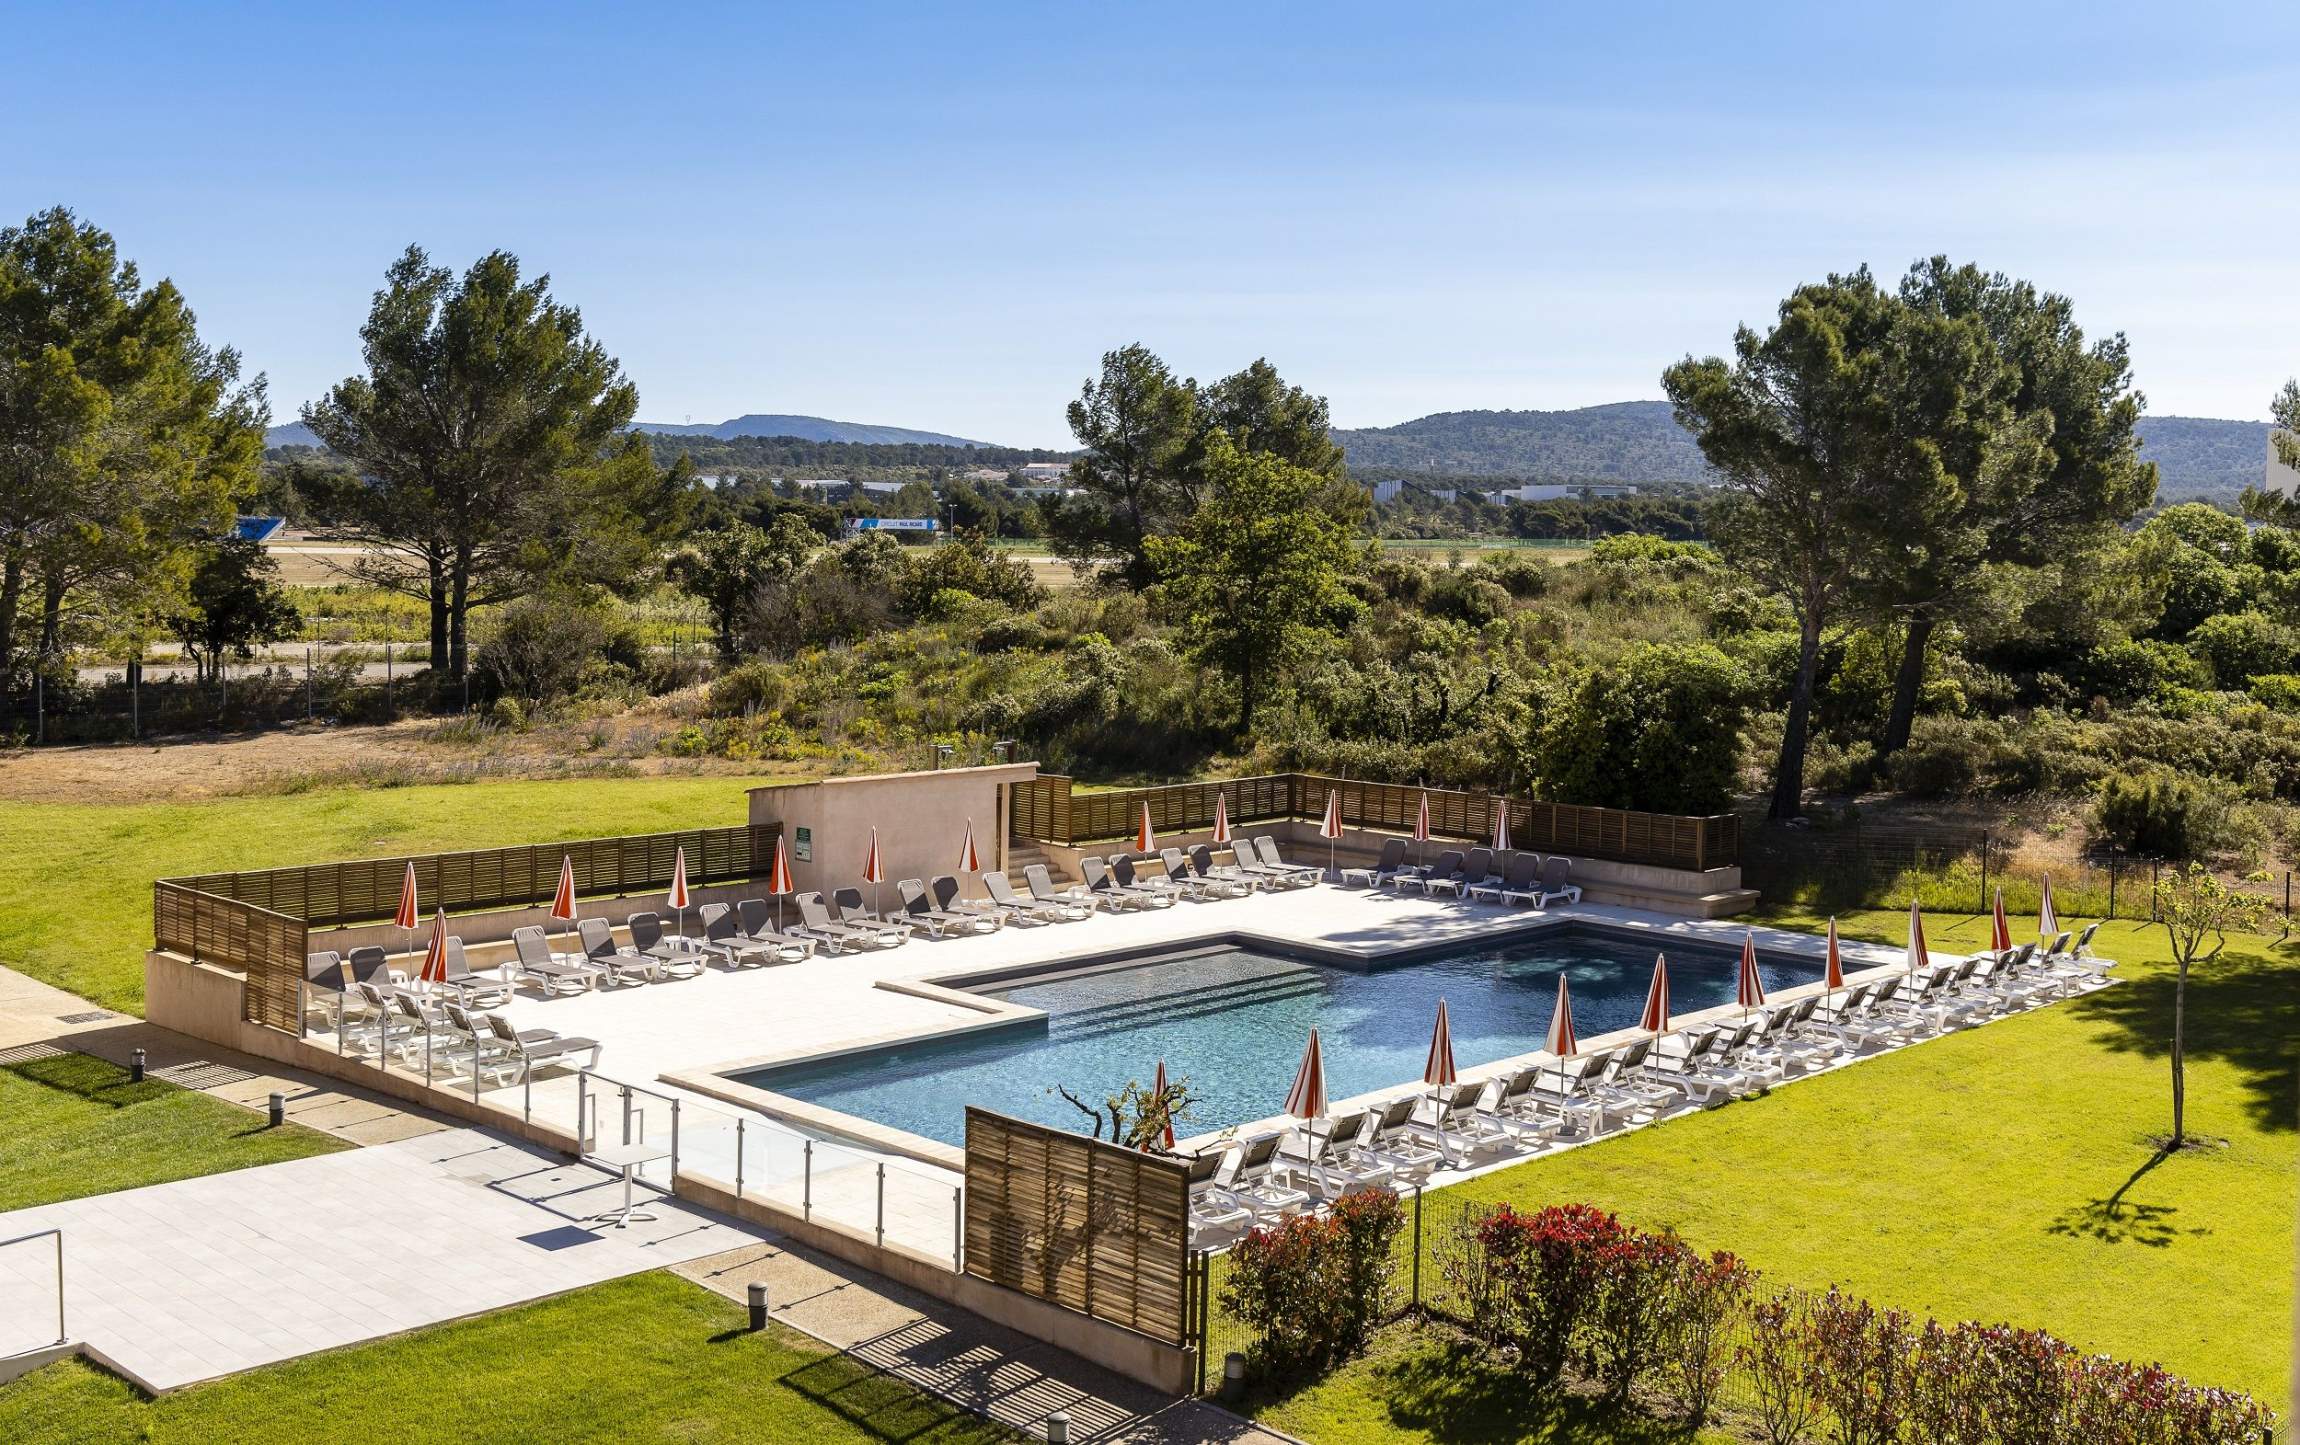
(2004, 1173)
(651, 1357)
(76, 906)
(76, 1126)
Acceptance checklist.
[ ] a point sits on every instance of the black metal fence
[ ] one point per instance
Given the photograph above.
(256, 698)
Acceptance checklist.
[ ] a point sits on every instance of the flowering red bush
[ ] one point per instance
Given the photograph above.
(1312, 1286)
(1546, 1270)
(1858, 1359)
(1636, 1299)
(1707, 1296)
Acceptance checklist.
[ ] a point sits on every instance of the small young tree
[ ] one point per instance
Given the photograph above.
(2198, 912)
(234, 605)
(1138, 1115)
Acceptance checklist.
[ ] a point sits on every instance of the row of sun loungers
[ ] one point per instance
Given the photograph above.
(1239, 1184)
(1527, 878)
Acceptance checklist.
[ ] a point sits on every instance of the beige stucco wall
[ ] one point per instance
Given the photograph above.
(920, 817)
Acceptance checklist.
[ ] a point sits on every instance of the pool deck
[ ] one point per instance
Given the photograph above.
(688, 1035)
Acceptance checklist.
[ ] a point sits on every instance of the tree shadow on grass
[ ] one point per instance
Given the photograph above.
(881, 1405)
(86, 1077)
(2243, 1009)
(1449, 1389)
(2114, 1220)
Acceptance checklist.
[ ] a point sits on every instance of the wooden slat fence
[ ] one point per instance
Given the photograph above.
(366, 890)
(1049, 809)
(1078, 1222)
(268, 947)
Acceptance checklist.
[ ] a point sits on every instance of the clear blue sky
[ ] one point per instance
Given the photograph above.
(941, 217)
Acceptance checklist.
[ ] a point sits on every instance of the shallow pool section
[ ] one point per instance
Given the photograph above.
(1234, 1022)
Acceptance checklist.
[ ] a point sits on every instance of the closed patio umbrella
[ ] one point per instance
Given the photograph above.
(563, 899)
(410, 911)
(874, 871)
(1221, 820)
(678, 897)
(1562, 1040)
(1836, 975)
(1330, 827)
(1307, 1099)
(435, 957)
(2000, 931)
(1158, 1093)
(1421, 827)
(2047, 917)
(779, 877)
(1438, 1072)
(1145, 840)
(1916, 957)
(1655, 1020)
(1750, 991)
(1501, 826)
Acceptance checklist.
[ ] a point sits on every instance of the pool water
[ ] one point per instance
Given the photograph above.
(1234, 1023)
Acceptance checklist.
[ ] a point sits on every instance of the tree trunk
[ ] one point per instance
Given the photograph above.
(438, 601)
(1908, 683)
(458, 617)
(1246, 696)
(2179, 1055)
(11, 597)
(1789, 774)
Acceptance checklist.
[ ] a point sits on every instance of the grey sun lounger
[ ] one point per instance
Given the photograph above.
(1266, 848)
(1161, 892)
(1004, 898)
(1385, 867)
(535, 964)
(815, 922)
(1199, 877)
(1202, 864)
(678, 958)
(469, 988)
(756, 927)
(948, 896)
(920, 912)
(1444, 873)
(1557, 883)
(852, 913)
(623, 965)
(531, 1051)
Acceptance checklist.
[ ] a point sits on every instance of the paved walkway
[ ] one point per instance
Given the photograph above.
(204, 1277)
(983, 1367)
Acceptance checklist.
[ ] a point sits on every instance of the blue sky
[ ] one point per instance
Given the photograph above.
(940, 217)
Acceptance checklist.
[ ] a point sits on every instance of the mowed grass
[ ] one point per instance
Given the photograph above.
(648, 1358)
(2011, 1172)
(76, 1126)
(76, 900)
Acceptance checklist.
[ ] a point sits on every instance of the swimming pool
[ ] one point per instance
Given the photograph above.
(1234, 1022)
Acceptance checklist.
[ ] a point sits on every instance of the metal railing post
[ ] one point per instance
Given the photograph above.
(738, 1156)
(807, 1182)
(957, 1229)
(674, 1146)
(882, 1203)
(626, 1088)
(427, 1051)
(61, 1333)
(1417, 1246)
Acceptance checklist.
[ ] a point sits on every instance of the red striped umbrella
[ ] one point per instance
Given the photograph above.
(1221, 820)
(1330, 827)
(1656, 1019)
(968, 860)
(1145, 841)
(1836, 978)
(563, 899)
(2047, 918)
(1421, 826)
(1439, 1071)
(409, 909)
(1307, 1099)
(435, 957)
(2000, 931)
(678, 899)
(1501, 826)
(874, 870)
(1750, 993)
(779, 877)
(1917, 957)
(1562, 1041)
(1158, 1093)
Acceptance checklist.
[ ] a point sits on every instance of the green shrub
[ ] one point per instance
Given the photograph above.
(2237, 646)
(2278, 691)
(1658, 731)
(1945, 755)
(752, 687)
(540, 649)
(2159, 814)
(2130, 670)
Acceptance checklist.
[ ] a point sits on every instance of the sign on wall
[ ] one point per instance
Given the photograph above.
(803, 844)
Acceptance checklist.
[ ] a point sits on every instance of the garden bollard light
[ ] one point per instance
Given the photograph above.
(278, 1110)
(1233, 1377)
(136, 1067)
(1058, 1428)
(758, 1299)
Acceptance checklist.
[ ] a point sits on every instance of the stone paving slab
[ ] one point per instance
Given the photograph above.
(203, 1277)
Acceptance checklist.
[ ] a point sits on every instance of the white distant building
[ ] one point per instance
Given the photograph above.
(1561, 491)
(1045, 474)
(2280, 478)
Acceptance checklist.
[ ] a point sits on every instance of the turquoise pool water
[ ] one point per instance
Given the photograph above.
(1234, 1023)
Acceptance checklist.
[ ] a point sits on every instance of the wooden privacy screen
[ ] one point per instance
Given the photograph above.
(1048, 808)
(328, 895)
(1080, 1223)
(268, 947)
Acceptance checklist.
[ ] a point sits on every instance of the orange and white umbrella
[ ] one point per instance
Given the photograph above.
(779, 877)
(1916, 956)
(2047, 918)
(1158, 1093)
(1501, 826)
(1330, 827)
(1562, 1040)
(1655, 1020)
(874, 870)
(409, 910)
(969, 861)
(1421, 826)
(1836, 977)
(2000, 931)
(1438, 1072)
(563, 898)
(1145, 840)
(435, 957)
(678, 899)
(1307, 1099)
(1750, 991)
(1221, 820)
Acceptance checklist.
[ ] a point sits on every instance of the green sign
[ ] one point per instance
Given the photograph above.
(803, 845)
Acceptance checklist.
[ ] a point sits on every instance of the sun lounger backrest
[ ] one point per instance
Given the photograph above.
(1232, 1163)
(599, 939)
(1202, 861)
(1447, 865)
(913, 895)
(1555, 870)
(945, 890)
(812, 911)
(1177, 866)
(757, 921)
(848, 900)
(530, 944)
(646, 930)
(1092, 869)
(718, 923)
(1257, 1152)
(1202, 1166)
(1267, 848)
(501, 1027)
(1396, 1112)
(324, 968)
(1393, 853)
(1479, 865)
(1524, 870)
(999, 887)
(368, 965)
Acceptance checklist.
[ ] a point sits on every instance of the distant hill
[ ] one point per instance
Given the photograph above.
(294, 434)
(1639, 441)
(806, 428)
